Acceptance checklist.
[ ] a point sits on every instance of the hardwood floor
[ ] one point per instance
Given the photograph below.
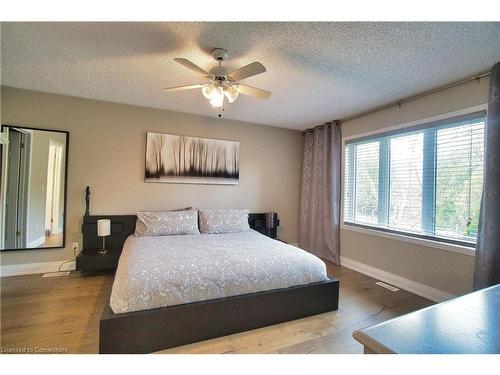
(62, 314)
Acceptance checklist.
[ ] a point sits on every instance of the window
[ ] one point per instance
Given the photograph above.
(367, 188)
(424, 181)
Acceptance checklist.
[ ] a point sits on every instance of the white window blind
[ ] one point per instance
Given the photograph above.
(424, 181)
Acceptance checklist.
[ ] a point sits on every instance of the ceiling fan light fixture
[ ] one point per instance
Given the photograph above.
(231, 94)
(217, 98)
(208, 90)
(222, 84)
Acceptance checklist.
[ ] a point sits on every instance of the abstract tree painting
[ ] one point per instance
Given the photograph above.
(191, 160)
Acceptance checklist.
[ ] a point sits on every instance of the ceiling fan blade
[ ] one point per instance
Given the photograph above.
(247, 71)
(195, 68)
(252, 91)
(180, 88)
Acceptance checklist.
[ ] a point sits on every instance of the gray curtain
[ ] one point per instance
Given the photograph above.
(487, 267)
(320, 193)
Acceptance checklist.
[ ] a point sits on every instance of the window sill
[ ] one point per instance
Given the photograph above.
(464, 250)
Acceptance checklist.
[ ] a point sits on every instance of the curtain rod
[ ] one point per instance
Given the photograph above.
(413, 97)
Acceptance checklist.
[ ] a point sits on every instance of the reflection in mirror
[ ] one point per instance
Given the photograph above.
(33, 188)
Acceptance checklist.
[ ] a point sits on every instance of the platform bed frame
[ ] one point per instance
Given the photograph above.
(152, 330)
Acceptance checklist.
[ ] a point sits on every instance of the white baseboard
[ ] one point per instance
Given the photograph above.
(36, 243)
(34, 268)
(414, 287)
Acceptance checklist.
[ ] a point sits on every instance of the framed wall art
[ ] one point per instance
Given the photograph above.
(191, 160)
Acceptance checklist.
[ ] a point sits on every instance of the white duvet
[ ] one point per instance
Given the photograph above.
(170, 270)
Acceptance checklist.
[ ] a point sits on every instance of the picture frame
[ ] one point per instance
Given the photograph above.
(191, 160)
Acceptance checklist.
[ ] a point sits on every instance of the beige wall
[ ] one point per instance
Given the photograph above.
(106, 152)
(441, 269)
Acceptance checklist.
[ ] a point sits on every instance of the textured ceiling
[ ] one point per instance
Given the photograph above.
(317, 72)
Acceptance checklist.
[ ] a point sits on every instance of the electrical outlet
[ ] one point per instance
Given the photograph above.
(75, 246)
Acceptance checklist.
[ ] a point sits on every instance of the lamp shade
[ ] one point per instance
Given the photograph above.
(103, 227)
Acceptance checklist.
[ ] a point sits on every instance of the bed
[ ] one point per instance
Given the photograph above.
(174, 290)
(160, 271)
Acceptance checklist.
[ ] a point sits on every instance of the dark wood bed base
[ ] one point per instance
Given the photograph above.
(156, 329)
(152, 330)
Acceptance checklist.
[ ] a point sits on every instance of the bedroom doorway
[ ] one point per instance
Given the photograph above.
(53, 197)
(18, 156)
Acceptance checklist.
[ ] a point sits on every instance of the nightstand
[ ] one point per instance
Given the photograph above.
(90, 260)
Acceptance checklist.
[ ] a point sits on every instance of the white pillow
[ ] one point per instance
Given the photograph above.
(157, 223)
(221, 220)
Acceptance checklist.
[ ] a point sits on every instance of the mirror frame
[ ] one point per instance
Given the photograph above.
(65, 183)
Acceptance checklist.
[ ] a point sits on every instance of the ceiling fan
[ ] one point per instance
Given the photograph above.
(221, 82)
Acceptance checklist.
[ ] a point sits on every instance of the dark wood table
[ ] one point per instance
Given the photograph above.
(463, 325)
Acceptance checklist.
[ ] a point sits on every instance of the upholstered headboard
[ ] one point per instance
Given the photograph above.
(123, 226)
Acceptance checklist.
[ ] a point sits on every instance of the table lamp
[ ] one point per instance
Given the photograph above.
(103, 230)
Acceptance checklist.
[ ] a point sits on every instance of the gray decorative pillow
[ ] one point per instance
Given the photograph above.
(151, 223)
(223, 220)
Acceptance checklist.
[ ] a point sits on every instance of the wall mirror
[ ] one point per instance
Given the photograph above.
(33, 188)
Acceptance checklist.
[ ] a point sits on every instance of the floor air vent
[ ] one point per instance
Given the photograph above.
(56, 274)
(387, 286)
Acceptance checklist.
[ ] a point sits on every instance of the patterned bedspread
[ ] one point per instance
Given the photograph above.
(170, 270)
